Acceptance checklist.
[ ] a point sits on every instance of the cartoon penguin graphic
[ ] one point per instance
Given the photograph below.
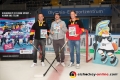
(105, 45)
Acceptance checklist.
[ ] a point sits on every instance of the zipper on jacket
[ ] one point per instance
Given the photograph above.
(57, 35)
(57, 23)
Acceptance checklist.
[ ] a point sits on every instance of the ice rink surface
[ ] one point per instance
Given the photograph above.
(21, 70)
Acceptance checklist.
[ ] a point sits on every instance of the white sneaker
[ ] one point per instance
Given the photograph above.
(63, 64)
(57, 63)
(71, 64)
(34, 64)
(77, 66)
(43, 64)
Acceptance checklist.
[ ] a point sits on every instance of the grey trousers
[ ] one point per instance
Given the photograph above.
(57, 45)
(42, 44)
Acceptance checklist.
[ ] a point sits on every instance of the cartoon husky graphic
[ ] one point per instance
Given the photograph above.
(104, 44)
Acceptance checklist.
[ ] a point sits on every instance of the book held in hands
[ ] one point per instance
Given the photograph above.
(72, 31)
(56, 28)
(43, 33)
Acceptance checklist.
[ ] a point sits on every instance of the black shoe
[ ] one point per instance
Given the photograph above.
(113, 60)
(104, 58)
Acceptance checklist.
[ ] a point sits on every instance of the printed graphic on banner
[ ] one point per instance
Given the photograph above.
(56, 28)
(105, 46)
(43, 33)
(88, 11)
(72, 31)
(14, 35)
(8, 46)
(25, 51)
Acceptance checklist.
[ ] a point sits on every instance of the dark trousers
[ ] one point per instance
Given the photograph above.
(42, 44)
(57, 44)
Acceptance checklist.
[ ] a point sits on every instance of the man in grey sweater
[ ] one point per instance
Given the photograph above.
(58, 31)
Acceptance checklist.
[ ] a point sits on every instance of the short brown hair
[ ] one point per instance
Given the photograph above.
(73, 11)
(41, 13)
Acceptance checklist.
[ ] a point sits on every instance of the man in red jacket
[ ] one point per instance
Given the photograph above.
(75, 29)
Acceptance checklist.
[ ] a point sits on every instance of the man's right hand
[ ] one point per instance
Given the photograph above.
(52, 32)
(31, 41)
(67, 39)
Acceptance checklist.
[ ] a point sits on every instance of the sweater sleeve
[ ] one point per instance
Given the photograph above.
(67, 33)
(51, 29)
(81, 30)
(32, 31)
(48, 29)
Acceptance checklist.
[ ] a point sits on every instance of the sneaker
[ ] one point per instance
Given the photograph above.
(43, 64)
(57, 63)
(63, 64)
(77, 66)
(34, 64)
(71, 64)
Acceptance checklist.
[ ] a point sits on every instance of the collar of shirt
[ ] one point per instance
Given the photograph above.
(58, 21)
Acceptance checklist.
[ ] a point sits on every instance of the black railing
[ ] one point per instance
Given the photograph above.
(35, 4)
(75, 2)
(2, 1)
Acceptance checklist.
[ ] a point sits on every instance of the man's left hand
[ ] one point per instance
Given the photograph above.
(60, 25)
(76, 35)
(46, 36)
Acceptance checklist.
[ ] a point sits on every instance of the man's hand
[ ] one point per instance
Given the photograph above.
(67, 39)
(84, 30)
(46, 36)
(52, 32)
(76, 35)
(60, 25)
(31, 41)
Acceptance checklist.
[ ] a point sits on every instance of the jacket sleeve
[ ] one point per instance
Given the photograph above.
(80, 31)
(32, 31)
(48, 29)
(51, 29)
(81, 27)
(67, 33)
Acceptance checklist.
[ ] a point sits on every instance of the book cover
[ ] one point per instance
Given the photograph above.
(43, 33)
(56, 28)
(72, 31)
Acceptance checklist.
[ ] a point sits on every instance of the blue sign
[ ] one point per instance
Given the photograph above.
(92, 11)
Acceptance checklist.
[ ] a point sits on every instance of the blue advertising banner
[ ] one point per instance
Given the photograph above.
(14, 33)
(96, 11)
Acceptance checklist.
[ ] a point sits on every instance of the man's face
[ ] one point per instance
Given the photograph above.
(72, 15)
(57, 17)
(40, 17)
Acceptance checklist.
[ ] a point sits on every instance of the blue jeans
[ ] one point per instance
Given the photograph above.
(76, 44)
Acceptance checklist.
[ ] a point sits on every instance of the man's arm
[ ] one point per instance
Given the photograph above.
(32, 31)
(48, 29)
(81, 30)
(67, 33)
(51, 29)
